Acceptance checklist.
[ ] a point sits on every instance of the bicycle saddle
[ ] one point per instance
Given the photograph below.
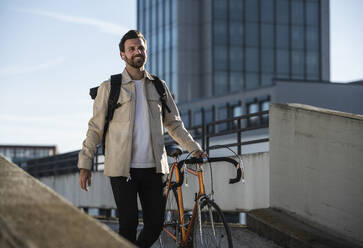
(173, 150)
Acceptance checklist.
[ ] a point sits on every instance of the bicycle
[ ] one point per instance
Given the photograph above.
(205, 226)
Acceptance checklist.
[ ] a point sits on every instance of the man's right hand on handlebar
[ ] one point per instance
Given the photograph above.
(84, 179)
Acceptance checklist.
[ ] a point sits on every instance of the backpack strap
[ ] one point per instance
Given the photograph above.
(161, 91)
(112, 105)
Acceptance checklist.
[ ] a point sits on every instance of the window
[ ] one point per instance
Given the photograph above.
(220, 83)
(140, 21)
(252, 34)
(236, 81)
(220, 32)
(312, 13)
(252, 60)
(147, 19)
(267, 60)
(282, 8)
(236, 111)
(265, 105)
(282, 36)
(312, 37)
(312, 66)
(220, 9)
(153, 17)
(257, 106)
(167, 12)
(220, 58)
(251, 109)
(236, 33)
(251, 10)
(267, 11)
(297, 12)
(161, 63)
(297, 38)
(297, 64)
(267, 36)
(252, 81)
(282, 61)
(174, 10)
(235, 58)
(236, 10)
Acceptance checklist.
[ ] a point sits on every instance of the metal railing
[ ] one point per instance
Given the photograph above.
(205, 132)
(60, 164)
(236, 125)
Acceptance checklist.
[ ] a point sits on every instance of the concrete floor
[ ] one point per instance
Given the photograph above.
(242, 237)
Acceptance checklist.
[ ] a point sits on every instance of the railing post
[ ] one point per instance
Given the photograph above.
(239, 136)
(203, 128)
(207, 139)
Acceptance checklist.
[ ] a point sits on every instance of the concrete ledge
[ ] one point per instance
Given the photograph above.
(289, 231)
(33, 215)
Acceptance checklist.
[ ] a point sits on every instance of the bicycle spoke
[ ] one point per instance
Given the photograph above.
(171, 222)
(211, 230)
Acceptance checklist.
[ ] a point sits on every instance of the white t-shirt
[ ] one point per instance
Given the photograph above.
(142, 153)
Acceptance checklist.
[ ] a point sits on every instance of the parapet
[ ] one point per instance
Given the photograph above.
(33, 215)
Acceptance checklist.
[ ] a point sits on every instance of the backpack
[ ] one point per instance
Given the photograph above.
(116, 81)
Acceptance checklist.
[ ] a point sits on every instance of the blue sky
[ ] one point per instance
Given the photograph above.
(52, 52)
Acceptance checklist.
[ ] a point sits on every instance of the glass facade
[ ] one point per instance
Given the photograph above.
(157, 20)
(257, 40)
(251, 41)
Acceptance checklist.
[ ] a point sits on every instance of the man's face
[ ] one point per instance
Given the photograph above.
(135, 53)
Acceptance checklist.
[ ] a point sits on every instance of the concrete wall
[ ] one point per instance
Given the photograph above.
(254, 193)
(99, 194)
(33, 215)
(316, 159)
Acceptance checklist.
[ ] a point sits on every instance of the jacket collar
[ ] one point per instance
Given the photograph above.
(127, 79)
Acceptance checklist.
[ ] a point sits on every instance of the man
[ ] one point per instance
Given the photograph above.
(135, 157)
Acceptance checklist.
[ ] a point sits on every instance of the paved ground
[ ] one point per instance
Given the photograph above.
(242, 238)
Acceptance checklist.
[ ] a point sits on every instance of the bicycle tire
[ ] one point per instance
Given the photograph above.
(210, 228)
(171, 220)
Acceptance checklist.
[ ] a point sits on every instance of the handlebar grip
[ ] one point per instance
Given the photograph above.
(238, 177)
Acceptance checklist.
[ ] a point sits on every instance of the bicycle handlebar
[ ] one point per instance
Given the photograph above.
(207, 160)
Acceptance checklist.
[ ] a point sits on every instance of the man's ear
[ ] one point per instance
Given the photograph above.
(122, 55)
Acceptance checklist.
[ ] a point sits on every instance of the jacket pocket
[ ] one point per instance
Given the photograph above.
(123, 112)
(155, 107)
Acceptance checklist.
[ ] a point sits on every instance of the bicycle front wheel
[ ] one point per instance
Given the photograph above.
(210, 228)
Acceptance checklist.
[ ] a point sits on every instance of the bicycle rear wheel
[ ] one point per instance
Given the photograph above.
(210, 228)
(171, 221)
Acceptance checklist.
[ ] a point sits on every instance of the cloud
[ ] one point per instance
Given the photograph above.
(103, 26)
(23, 69)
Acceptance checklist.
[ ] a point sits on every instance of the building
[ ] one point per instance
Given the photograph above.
(212, 48)
(19, 154)
(225, 58)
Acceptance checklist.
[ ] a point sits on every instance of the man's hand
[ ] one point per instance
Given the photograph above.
(200, 154)
(84, 179)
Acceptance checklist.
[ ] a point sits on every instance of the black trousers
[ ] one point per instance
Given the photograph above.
(149, 185)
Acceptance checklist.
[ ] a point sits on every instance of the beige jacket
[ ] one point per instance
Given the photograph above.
(119, 134)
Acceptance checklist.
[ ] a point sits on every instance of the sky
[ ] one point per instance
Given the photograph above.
(53, 51)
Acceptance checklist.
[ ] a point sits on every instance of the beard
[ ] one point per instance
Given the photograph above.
(136, 61)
